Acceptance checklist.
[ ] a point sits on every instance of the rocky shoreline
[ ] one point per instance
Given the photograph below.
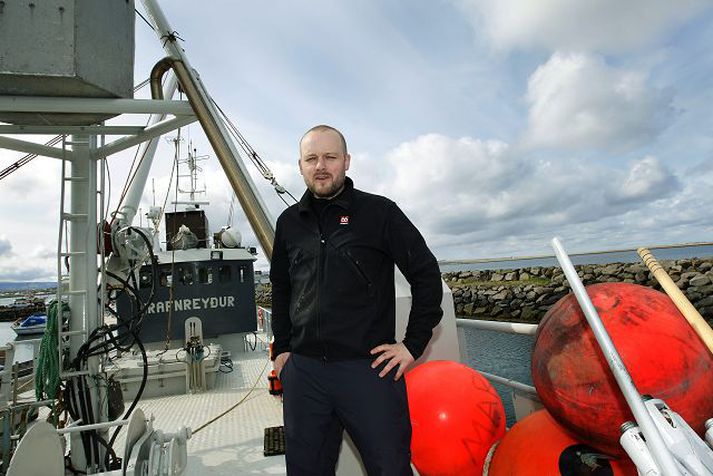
(525, 294)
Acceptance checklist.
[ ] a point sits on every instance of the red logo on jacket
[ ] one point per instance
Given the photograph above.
(344, 220)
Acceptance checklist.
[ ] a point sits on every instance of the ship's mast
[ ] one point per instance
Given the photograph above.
(214, 128)
(191, 163)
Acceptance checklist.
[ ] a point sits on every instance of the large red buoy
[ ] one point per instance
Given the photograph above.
(537, 445)
(662, 353)
(456, 416)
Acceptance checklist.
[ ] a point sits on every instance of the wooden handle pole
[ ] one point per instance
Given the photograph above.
(691, 314)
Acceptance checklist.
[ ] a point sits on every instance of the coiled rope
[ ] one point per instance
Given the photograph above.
(47, 378)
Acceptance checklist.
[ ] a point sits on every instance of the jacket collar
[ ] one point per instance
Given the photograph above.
(344, 199)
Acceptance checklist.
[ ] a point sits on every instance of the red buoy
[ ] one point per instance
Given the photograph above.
(537, 445)
(456, 416)
(665, 357)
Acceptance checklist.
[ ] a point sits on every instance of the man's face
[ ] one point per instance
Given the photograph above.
(323, 163)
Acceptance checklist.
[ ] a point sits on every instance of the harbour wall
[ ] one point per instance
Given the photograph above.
(526, 294)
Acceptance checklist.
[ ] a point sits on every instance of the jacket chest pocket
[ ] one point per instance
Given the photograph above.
(352, 263)
(358, 267)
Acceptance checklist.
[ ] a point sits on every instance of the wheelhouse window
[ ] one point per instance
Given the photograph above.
(185, 275)
(224, 274)
(145, 279)
(205, 275)
(166, 279)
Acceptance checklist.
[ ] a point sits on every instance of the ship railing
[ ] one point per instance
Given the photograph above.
(11, 384)
(265, 321)
(524, 397)
(507, 328)
(265, 325)
(498, 326)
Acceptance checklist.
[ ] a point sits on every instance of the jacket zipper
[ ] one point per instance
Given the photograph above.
(322, 246)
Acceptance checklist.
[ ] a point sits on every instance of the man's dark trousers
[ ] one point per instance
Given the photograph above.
(323, 398)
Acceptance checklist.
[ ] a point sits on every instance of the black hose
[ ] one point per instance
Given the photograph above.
(144, 379)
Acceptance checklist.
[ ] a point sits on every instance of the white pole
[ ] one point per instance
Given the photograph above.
(82, 260)
(146, 151)
(655, 443)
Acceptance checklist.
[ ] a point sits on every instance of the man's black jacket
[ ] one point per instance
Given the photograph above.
(333, 277)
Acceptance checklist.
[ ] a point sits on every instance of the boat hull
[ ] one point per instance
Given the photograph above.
(30, 330)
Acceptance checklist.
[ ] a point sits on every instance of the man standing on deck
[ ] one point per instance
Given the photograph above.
(333, 316)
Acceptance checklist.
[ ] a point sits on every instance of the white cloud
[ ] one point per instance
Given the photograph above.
(44, 252)
(23, 271)
(30, 213)
(467, 195)
(5, 246)
(602, 25)
(647, 180)
(578, 101)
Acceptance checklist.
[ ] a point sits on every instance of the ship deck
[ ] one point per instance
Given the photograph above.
(233, 444)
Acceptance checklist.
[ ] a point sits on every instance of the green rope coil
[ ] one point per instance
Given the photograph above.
(47, 372)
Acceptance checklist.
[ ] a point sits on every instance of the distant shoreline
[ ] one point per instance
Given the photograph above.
(19, 292)
(662, 252)
(572, 255)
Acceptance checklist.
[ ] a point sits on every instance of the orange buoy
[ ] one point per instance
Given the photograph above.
(663, 354)
(537, 445)
(456, 416)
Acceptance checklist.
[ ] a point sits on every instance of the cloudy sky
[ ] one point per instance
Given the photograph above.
(495, 124)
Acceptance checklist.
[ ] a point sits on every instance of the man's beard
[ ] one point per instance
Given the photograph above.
(334, 189)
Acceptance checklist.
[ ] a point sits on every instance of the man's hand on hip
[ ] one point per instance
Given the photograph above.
(280, 362)
(393, 355)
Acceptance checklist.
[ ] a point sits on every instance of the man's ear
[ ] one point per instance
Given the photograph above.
(347, 161)
(299, 164)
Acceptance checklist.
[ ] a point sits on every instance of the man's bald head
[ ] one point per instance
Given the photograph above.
(326, 128)
(324, 161)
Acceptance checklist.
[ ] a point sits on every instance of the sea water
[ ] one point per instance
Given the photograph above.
(23, 345)
(661, 254)
(505, 355)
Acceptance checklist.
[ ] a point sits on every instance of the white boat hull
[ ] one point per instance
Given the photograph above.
(29, 330)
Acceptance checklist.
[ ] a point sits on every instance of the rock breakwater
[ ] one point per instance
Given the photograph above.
(526, 294)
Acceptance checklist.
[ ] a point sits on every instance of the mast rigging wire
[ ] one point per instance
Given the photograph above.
(253, 155)
(144, 19)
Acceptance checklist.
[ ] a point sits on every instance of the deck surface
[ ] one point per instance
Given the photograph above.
(233, 444)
